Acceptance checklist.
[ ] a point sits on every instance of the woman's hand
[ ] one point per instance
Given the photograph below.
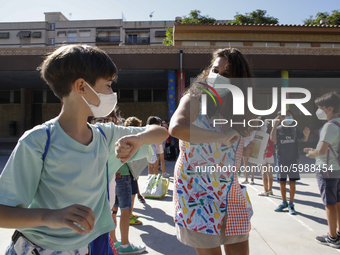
(231, 137)
(69, 216)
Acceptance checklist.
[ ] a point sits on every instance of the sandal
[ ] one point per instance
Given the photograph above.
(141, 199)
(134, 221)
(263, 194)
(134, 216)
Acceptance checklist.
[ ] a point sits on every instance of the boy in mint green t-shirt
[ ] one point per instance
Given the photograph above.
(60, 203)
(327, 165)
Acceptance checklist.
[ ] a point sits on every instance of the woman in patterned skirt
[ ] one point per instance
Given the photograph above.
(211, 207)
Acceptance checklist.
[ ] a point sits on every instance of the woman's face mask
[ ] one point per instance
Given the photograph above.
(216, 79)
(106, 105)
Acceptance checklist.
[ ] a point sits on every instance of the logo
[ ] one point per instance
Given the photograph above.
(239, 99)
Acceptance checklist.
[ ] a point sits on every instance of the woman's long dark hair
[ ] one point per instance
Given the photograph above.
(238, 70)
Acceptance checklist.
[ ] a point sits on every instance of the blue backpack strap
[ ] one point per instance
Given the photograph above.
(101, 245)
(107, 165)
(47, 142)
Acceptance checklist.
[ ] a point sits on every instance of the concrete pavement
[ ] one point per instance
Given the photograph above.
(272, 232)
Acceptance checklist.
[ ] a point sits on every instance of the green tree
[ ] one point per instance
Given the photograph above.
(333, 18)
(168, 41)
(255, 17)
(194, 17)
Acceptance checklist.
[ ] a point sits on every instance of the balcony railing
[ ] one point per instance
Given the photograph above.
(108, 39)
(139, 40)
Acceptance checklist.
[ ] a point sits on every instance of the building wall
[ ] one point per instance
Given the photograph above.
(9, 113)
(144, 110)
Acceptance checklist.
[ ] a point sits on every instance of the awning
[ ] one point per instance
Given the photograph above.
(136, 30)
(36, 34)
(4, 35)
(24, 34)
(160, 33)
(85, 30)
(71, 31)
(108, 29)
(61, 32)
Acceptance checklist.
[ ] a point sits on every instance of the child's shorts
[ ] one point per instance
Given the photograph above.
(24, 247)
(329, 187)
(134, 186)
(269, 160)
(123, 192)
(206, 241)
(288, 169)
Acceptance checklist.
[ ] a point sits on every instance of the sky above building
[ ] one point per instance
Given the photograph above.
(287, 11)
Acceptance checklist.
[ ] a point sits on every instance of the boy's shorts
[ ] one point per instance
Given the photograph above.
(123, 192)
(287, 170)
(134, 186)
(329, 187)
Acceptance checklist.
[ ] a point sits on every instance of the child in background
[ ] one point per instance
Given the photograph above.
(326, 156)
(57, 197)
(286, 138)
(153, 167)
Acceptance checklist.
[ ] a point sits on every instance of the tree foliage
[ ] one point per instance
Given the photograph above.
(195, 17)
(255, 17)
(333, 18)
(168, 41)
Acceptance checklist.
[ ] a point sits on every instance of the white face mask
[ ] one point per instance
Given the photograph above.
(214, 79)
(321, 114)
(106, 105)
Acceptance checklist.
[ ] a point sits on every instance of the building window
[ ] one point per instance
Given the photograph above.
(266, 44)
(160, 95)
(160, 33)
(85, 33)
(51, 98)
(51, 26)
(229, 44)
(298, 45)
(61, 33)
(132, 38)
(10, 97)
(72, 36)
(51, 41)
(4, 35)
(144, 95)
(36, 34)
(125, 95)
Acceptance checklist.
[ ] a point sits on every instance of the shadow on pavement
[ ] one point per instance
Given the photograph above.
(159, 239)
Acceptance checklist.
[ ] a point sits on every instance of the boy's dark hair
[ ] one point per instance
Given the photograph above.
(153, 120)
(330, 99)
(68, 63)
(279, 112)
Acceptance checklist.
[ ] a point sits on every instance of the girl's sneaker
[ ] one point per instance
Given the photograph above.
(270, 192)
(131, 249)
(329, 241)
(281, 206)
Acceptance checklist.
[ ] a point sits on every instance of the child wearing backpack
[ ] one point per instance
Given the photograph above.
(54, 187)
(327, 165)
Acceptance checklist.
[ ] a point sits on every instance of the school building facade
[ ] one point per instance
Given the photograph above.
(153, 77)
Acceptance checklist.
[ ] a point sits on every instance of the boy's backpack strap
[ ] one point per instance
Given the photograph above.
(47, 142)
(107, 164)
(330, 148)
